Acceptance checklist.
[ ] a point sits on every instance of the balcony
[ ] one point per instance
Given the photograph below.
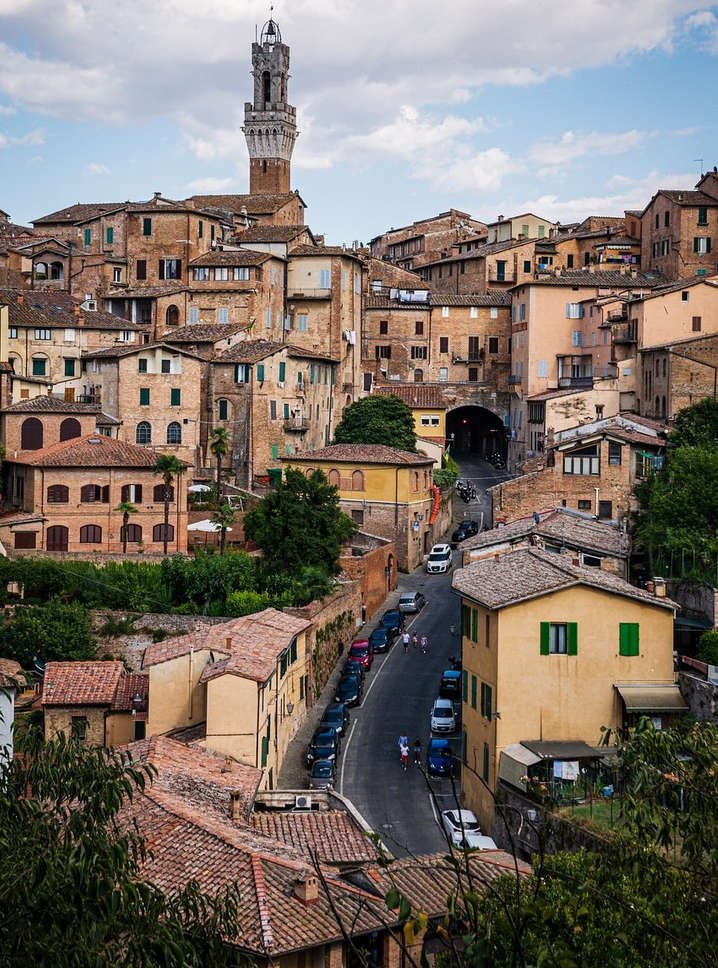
(296, 425)
(514, 380)
(293, 292)
(494, 276)
(575, 382)
(624, 334)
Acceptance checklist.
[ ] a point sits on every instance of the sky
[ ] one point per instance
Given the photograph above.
(405, 107)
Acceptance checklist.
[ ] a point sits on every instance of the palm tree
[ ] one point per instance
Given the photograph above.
(224, 517)
(220, 447)
(169, 467)
(126, 509)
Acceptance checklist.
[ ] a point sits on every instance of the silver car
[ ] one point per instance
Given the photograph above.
(411, 602)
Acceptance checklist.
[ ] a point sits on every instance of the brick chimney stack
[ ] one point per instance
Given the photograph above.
(306, 889)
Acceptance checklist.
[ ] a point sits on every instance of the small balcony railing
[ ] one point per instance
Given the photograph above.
(300, 292)
(296, 425)
(624, 334)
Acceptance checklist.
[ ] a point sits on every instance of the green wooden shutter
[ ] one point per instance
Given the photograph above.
(465, 685)
(282, 372)
(265, 750)
(487, 702)
(260, 371)
(474, 625)
(286, 411)
(144, 396)
(110, 235)
(147, 226)
(275, 452)
(571, 638)
(175, 396)
(465, 620)
(473, 692)
(545, 633)
(486, 762)
(628, 638)
(483, 698)
(88, 236)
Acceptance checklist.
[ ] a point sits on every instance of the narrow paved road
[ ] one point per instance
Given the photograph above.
(399, 693)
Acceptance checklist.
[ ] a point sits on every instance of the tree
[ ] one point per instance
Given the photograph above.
(696, 425)
(378, 419)
(224, 517)
(126, 509)
(300, 524)
(708, 647)
(49, 633)
(220, 448)
(72, 870)
(169, 467)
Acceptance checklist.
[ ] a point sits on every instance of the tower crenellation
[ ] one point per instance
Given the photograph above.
(270, 122)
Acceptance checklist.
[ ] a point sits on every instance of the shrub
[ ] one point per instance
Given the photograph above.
(708, 647)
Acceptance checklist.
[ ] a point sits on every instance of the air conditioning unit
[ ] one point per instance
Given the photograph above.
(303, 802)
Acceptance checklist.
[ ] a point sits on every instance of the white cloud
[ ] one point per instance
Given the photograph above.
(573, 145)
(208, 186)
(6, 110)
(36, 137)
(95, 168)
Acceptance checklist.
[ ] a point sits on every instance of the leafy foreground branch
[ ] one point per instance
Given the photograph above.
(71, 885)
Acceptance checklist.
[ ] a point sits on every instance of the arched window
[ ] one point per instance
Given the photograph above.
(90, 534)
(172, 315)
(56, 539)
(143, 433)
(333, 477)
(664, 366)
(416, 480)
(70, 428)
(357, 481)
(31, 434)
(658, 406)
(41, 270)
(134, 533)
(159, 493)
(93, 493)
(174, 433)
(58, 494)
(266, 87)
(56, 270)
(158, 532)
(131, 493)
(663, 406)
(223, 409)
(418, 375)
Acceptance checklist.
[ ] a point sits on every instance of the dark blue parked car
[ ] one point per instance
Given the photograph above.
(381, 639)
(438, 758)
(349, 691)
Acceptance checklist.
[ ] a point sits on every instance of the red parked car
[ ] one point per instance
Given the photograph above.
(361, 651)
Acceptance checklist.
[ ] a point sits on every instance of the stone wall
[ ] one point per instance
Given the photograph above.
(374, 566)
(130, 647)
(696, 600)
(59, 720)
(701, 696)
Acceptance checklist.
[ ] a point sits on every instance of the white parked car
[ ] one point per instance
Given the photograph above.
(443, 719)
(463, 830)
(439, 560)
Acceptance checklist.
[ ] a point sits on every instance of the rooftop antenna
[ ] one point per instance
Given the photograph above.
(701, 164)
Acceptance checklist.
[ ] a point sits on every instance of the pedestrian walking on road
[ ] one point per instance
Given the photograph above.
(403, 741)
(405, 641)
(415, 640)
(404, 750)
(417, 752)
(424, 643)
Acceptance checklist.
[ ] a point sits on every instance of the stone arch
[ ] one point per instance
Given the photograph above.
(31, 434)
(69, 428)
(475, 430)
(172, 315)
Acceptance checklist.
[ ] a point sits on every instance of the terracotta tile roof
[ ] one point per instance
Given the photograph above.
(58, 310)
(79, 212)
(273, 233)
(202, 332)
(689, 282)
(81, 683)
(332, 835)
(416, 395)
(131, 685)
(301, 353)
(599, 279)
(324, 250)
(684, 197)
(494, 298)
(231, 257)
(254, 204)
(92, 450)
(561, 524)
(255, 643)
(128, 349)
(45, 404)
(685, 343)
(360, 454)
(529, 573)
(10, 672)
(248, 351)
(147, 292)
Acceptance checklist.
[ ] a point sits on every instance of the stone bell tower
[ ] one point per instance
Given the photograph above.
(270, 123)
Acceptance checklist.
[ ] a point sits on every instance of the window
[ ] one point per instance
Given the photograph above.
(382, 352)
(302, 322)
(141, 269)
(282, 372)
(443, 374)
(522, 312)
(147, 226)
(221, 274)
(419, 327)
(383, 327)
(241, 273)
(445, 311)
(358, 516)
(443, 344)
(655, 249)
(527, 265)
(667, 219)
(559, 638)
(500, 270)
(418, 352)
(175, 397)
(702, 215)
(142, 365)
(58, 494)
(543, 368)
(591, 561)
(696, 320)
(486, 701)
(200, 274)
(584, 461)
(665, 247)
(70, 428)
(485, 763)
(275, 448)
(628, 638)
(174, 432)
(144, 396)
(614, 452)
(25, 539)
(574, 311)
(569, 262)
(94, 493)
(78, 729)
(134, 533)
(87, 237)
(577, 338)
(143, 433)
(39, 366)
(357, 481)
(170, 268)
(473, 692)
(241, 373)
(31, 434)
(90, 534)
(158, 532)
(260, 375)
(223, 407)
(42, 334)
(131, 493)
(194, 315)
(272, 409)
(127, 336)
(658, 220)
(702, 245)
(286, 411)
(12, 332)
(69, 367)
(325, 281)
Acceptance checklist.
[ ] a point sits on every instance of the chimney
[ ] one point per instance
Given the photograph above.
(659, 585)
(158, 194)
(228, 641)
(76, 311)
(500, 218)
(306, 889)
(236, 808)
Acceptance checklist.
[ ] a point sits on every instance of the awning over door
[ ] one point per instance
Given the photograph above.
(652, 698)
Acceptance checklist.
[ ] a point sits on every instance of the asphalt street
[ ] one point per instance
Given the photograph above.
(399, 693)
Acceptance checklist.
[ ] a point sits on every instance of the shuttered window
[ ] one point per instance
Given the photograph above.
(260, 371)
(474, 625)
(559, 638)
(465, 620)
(473, 692)
(628, 638)
(465, 685)
(144, 396)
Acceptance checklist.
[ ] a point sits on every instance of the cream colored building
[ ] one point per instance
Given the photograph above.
(539, 666)
(245, 680)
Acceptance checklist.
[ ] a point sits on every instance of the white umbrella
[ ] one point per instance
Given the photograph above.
(199, 488)
(207, 526)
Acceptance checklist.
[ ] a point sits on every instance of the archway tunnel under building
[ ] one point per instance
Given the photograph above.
(475, 430)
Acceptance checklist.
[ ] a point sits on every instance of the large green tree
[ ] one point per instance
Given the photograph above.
(696, 425)
(71, 886)
(300, 524)
(378, 419)
(52, 632)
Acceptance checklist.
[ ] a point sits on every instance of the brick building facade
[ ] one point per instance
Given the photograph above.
(680, 230)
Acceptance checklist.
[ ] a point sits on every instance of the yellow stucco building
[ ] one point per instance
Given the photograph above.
(245, 680)
(387, 492)
(554, 652)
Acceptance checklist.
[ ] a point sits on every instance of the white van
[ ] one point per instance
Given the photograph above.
(439, 560)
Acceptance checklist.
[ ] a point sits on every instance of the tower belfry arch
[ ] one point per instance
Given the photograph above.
(270, 122)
